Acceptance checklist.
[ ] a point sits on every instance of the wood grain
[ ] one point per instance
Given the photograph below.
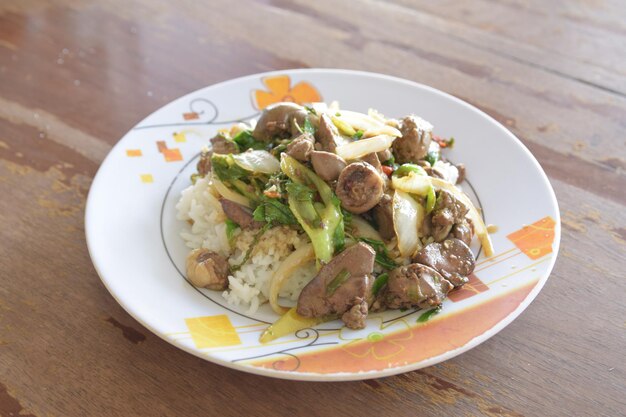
(75, 76)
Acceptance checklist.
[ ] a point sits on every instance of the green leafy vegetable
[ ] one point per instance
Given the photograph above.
(272, 210)
(379, 283)
(424, 317)
(431, 198)
(382, 254)
(391, 162)
(339, 236)
(311, 110)
(277, 150)
(406, 169)
(245, 141)
(337, 282)
(347, 217)
(358, 135)
(308, 127)
(247, 190)
(231, 226)
(432, 157)
(322, 221)
(226, 169)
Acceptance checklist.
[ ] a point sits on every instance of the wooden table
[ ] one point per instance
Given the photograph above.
(75, 76)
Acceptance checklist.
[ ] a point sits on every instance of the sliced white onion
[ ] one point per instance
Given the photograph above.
(361, 228)
(257, 161)
(359, 148)
(449, 171)
(412, 183)
(374, 114)
(298, 258)
(229, 194)
(319, 107)
(381, 130)
(408, 217)
(474, 215)
(360, 121)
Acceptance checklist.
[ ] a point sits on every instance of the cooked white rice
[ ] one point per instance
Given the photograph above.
(248, 286)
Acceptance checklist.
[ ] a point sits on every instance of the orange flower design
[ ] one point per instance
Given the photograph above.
(536, 239)
(378, 345)
(474, 286)
(280, 90)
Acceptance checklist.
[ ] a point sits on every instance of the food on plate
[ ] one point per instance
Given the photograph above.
(326, 214)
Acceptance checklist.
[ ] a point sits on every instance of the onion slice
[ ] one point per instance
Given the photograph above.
(294, 261)
(412, 183)
(366, 123)
(229, 194)
(361, 228)
(408, 217)
(257, 161)
(359, 148)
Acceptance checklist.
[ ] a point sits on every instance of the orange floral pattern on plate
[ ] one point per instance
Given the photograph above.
(133, 152)
(474, 286)
(191, 115)
(536, 239)
(434, 338)
(170, 155)
(280, 89)
(380, 346)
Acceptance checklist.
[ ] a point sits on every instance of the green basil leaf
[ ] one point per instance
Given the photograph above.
(245, 141)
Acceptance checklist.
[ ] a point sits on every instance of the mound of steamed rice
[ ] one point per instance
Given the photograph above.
(248, 286)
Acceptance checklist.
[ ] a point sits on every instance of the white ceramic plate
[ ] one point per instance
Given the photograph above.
(134, 242)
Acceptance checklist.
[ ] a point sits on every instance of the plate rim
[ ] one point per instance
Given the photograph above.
(336, 376)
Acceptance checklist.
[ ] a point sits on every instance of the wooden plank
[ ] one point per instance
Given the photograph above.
(559, 37)
(75, 76)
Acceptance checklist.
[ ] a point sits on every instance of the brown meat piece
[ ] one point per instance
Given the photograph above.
(463, 231)
(452, 258)
(204, 163)
(300, 148)
(461, 169)
(207, 269)
(326, 135)
(383, 216)
(415, 140)
(384, 155)
(355, 265)
(221, 145)
(372, 159)
(436, 173)
(239, 214)
(414, 285)
(356, 316)
(447, 212)
(327, 166)
(359, 187)
(280, 120)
